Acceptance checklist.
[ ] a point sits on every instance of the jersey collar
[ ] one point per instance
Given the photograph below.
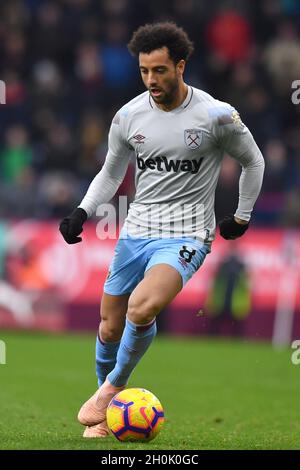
(183, 105)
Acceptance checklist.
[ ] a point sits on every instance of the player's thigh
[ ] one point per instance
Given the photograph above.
(113, 311)
(160, 285)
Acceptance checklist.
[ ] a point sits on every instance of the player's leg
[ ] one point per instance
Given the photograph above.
(126, 271)
(171, 265)
(158, 288)
(112, 313)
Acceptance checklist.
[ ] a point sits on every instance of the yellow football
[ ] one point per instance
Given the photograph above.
(135, 414)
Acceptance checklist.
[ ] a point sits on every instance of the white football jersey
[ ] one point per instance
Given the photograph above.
(178, 157)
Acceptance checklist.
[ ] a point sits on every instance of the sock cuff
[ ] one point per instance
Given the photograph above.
(106, 342)
(144, 327)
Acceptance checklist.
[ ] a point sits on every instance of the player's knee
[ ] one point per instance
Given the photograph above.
(110, 333)
(143, 311)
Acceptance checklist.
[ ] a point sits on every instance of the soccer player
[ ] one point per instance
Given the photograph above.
(177, 135)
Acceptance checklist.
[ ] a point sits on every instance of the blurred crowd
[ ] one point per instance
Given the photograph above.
(67, 70)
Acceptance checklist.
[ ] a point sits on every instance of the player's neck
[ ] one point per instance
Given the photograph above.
(179, 99)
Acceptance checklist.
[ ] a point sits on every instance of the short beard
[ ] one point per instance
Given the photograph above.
(170, 95)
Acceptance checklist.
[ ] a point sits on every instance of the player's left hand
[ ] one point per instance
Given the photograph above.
(230, 228)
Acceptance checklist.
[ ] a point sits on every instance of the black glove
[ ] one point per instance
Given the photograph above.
(230, 229)
(71, 226)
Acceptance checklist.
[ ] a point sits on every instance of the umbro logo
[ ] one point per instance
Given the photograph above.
(139, 138)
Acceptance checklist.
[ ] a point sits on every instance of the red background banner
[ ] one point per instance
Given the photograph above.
(56, 277)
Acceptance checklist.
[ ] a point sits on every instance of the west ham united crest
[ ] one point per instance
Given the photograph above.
(192, 138)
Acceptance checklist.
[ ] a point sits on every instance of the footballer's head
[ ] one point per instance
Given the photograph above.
(162, 50)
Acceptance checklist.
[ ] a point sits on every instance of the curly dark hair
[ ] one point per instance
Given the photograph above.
(153, 36)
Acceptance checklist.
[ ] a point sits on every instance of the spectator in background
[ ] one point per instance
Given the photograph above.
(48, 85)
(275, 182)
(92, 153)
(119, 70)
(89, 73)
(242, 78)
(16, 156)
(50, 38)
(17, 195)
(60, 149)
(282, 58)
(229, 36)
(261, 111)
(57, 192)
(229, 300)
(16, 108)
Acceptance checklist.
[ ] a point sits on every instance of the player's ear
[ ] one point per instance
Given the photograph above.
(180, 66)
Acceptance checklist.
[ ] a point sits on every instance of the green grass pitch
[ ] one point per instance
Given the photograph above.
(217, 394)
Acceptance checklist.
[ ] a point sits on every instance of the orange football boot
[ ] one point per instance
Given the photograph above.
(93, 411)
(99, 430)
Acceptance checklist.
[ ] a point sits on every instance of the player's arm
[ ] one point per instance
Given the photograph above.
(236, 140)
(104, 185)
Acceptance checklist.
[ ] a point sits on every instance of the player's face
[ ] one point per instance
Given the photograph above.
(160, 75)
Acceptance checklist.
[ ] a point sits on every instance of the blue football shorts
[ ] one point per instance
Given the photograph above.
(134, 256)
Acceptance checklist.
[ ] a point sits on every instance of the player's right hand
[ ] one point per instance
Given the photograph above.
(72, 226)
